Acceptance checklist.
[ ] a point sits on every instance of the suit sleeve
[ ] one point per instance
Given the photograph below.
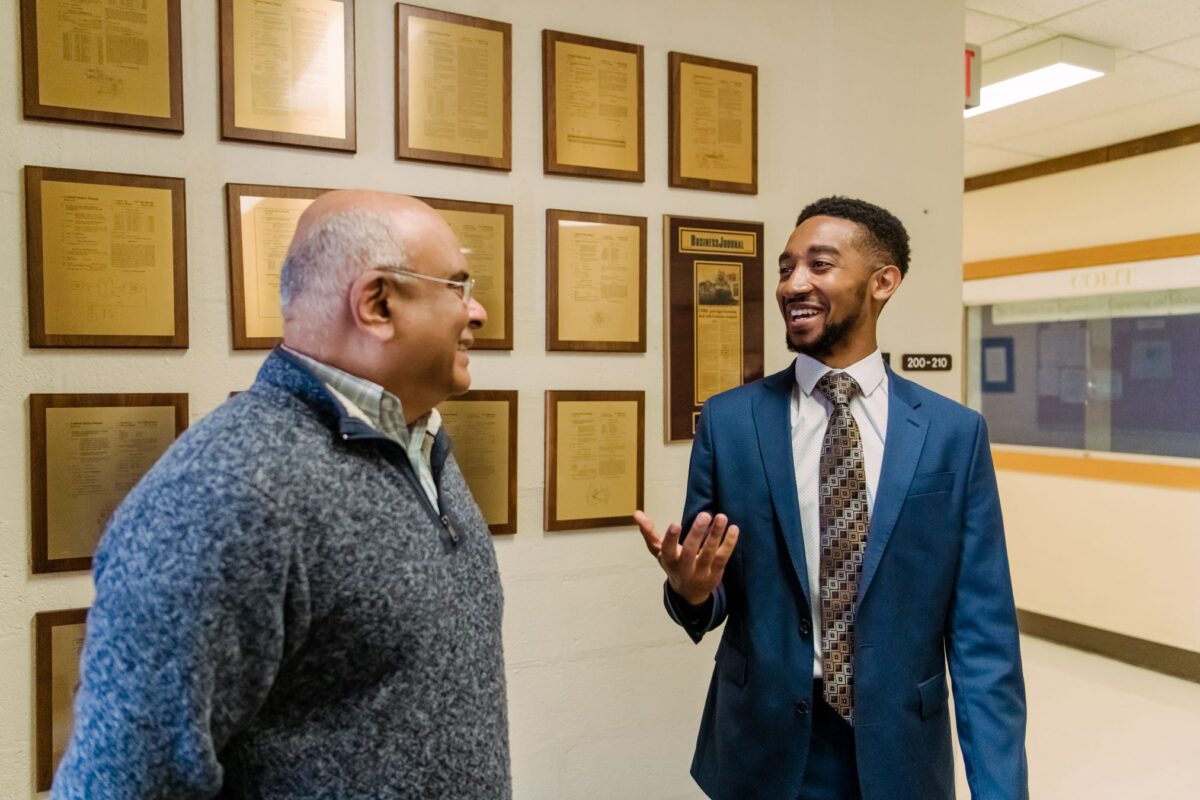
(701, 496)
(983, 647)
(199, 600)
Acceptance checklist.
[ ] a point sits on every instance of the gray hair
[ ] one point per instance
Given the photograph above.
(335, 251)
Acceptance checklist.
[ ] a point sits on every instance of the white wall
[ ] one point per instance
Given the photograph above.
(1116, 556)
(860, 98)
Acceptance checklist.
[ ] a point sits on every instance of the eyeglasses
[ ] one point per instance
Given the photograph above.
(463, 288)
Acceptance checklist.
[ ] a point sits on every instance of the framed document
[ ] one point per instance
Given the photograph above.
(595, 455)
(593, 107)
(713, 295)
(483, 427)
(90, 62)
(261, 222)
(287, 72)
(107, 256)
(453, 88)
(714, 124)
(485, 231)
(595, 282)
(87, 452)
(58, 643)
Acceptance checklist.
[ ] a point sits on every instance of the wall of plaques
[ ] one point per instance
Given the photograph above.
(157, 158)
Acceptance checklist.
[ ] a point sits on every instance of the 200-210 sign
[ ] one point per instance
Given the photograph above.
(939, 362)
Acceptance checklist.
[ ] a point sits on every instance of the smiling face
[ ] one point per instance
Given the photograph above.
(830, 293)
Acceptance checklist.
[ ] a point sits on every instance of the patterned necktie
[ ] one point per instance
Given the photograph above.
(843, 515)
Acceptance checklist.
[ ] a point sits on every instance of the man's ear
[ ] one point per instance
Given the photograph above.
(373, 305)
(885, 280)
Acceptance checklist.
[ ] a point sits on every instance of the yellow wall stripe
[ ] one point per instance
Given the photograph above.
(1121, 253)
(1171, 476)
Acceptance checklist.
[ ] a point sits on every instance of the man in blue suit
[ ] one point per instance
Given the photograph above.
(844, 524)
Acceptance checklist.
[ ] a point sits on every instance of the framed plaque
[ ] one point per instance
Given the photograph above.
(595, 456)
(261, 222)
(483, 427)
(89, 62)
(595, 282)
(714, 307)
(58, 644)
(86, 452)
(453, 88)
(485, 231)
(287, 72)
(593, 106)
(107, 257)
(714, 124)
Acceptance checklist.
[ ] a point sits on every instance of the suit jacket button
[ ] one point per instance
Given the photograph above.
(802, 708)
(805, 627)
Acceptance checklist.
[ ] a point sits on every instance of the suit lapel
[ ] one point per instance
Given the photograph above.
(905, 436)
(773, 425)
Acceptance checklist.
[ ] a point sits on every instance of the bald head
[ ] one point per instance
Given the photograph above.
(341, 235)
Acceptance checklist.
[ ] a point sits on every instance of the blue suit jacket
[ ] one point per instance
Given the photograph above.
(934, 589)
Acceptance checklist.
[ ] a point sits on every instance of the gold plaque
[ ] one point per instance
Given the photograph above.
(596, 282)
(714, 122)
(107, 259)
(718, 328)
(593, 107)
(287, 72)
(100, 62)
(483, 428)
(59, 642)
(484, 231)
(262, 220)
(594, 458)
(88, 451)
(454, 88)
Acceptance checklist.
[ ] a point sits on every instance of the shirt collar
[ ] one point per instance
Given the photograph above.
(868, 372)
(370, 402)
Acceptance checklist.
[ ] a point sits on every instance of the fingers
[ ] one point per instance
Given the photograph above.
(726, 549)
(698, 534)
(669, 553)
(649, 535)
(716, 535)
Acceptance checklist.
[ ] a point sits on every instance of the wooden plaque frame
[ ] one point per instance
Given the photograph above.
(234, 192)
(404, 150)
(43, 624)
(553, 341)
(33, 108)
(231, 131)
(508, 396)
(38, 337)
(553, 398)
(680, 407)
(551, 164)
(39, 461)
(677, 179)
(505, 342)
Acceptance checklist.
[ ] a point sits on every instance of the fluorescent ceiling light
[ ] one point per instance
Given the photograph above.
(1041, 69)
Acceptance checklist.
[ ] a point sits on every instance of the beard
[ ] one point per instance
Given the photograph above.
(834, 334)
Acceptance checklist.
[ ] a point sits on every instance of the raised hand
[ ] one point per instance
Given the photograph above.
(694, 568)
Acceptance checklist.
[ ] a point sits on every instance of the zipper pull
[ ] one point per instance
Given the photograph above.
(450, 529)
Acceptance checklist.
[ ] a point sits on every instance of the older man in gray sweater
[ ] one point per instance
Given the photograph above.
(301, 600)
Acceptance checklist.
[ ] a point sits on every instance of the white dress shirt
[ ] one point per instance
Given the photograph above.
(809, 417)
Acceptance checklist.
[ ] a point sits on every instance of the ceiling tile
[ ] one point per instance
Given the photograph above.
(978, 159)
(1136, 80)
(1135, 24)
(982, 28)
(1186, 52)
(1018, 40)
(1147, 119)
(1026, 10)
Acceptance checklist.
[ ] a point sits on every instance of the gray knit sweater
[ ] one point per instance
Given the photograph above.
(280, 613)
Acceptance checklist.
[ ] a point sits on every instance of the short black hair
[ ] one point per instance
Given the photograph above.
(885, 237)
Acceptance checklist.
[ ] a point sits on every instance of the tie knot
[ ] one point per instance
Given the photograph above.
(839, 387)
